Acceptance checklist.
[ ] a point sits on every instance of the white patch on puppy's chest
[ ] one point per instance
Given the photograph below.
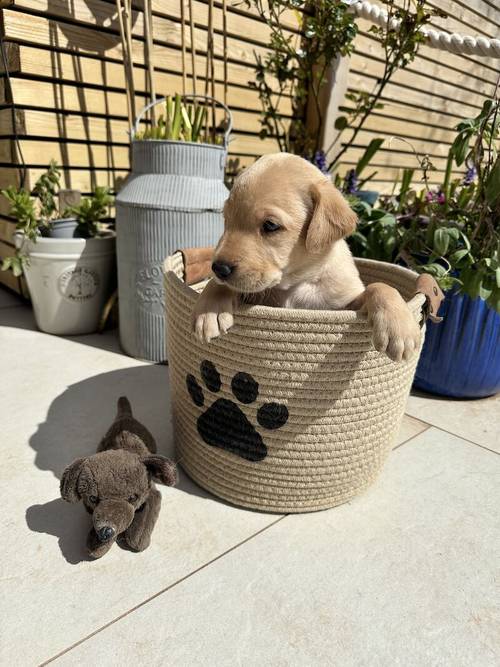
(306, 295)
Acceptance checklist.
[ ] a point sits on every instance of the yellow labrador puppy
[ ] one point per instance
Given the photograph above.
(283, 245)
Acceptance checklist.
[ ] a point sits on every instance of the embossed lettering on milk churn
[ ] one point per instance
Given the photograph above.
(172, 199)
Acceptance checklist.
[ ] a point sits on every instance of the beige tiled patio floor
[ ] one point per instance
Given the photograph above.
(407, 574)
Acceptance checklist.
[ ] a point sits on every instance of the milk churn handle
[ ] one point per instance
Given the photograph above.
(135, 129)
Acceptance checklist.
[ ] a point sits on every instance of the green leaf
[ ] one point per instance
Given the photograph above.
(177, 118)
(493, 300)
(370, 151)
(484, 292)
(406, 181)
(465, 240)
(458, 255)
(460, 148)
(435, 269)
(472, 280)
(492, 185)
(453, 233)
(187, 127)
(441, 241)
(486, 110)
(341, 123)
(17, 267)
(7, 263)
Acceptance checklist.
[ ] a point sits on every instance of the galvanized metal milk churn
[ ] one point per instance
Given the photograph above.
(172, 199)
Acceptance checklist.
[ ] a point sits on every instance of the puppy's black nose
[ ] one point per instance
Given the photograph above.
(222, 270)
(105, 534)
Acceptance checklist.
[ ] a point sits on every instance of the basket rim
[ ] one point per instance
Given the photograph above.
(297, 314)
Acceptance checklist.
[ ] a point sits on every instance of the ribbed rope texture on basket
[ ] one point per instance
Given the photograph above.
(438, 39)
(343, 400)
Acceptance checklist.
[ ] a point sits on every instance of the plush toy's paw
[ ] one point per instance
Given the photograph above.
(95, 548)
(134, 542)
(396, 332)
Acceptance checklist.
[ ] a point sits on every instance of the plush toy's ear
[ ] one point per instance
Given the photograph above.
(162, 470)
(332, 217)
(69, 481)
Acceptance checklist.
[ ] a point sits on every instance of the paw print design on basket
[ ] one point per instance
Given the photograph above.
(224, 424)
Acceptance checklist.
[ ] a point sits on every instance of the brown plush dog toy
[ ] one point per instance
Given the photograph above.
(116, 485)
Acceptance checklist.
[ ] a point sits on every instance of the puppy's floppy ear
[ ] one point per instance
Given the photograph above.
(162, 470)
(69, 481)
(332, 217)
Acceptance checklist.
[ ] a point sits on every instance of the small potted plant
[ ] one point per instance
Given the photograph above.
(453, 233)
(68, 277)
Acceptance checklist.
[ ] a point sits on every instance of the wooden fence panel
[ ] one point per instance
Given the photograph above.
(425, 101)
(68, 88)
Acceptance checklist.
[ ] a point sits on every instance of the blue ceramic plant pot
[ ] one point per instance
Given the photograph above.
(461, 355)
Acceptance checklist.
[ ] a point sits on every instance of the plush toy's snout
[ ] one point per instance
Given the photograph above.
(112, 517)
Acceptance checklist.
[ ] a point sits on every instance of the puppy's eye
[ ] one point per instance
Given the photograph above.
(94, 500)
(269, 226)
(133, 498)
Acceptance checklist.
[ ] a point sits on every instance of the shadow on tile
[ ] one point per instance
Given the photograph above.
(21, 317)
(437, 397)
(59, 519)
(79, 417)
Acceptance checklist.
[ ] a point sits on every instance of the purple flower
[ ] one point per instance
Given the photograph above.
(351, 182)
(470, 175)
(437, 196)
(319, 160)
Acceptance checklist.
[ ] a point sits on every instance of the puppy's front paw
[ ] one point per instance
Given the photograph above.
(213, 312)
(396, 332)
(212, 324)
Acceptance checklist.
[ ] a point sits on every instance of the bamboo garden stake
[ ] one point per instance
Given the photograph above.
(148, 30)
(193, 49)
(124, 9)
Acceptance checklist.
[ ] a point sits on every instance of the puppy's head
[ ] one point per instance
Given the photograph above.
(113, 485)
(282, 215)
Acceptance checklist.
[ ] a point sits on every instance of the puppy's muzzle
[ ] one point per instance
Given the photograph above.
(223, 269)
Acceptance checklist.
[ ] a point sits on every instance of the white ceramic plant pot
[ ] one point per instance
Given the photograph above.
(69, 280)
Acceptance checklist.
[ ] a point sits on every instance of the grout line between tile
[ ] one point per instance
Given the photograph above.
(417, 419)
(164, 590)
(445, 430)
(412, 437)
(471, 442)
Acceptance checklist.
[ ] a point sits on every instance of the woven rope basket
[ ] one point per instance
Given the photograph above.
(292, 410)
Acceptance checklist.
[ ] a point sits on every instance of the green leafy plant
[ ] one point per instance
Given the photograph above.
(377, 233)
(90, 211)
(181, 122)
(32, 214)
(36, 212)
(297, 65)
(452, 232)
(45, 190)
(400, 37)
